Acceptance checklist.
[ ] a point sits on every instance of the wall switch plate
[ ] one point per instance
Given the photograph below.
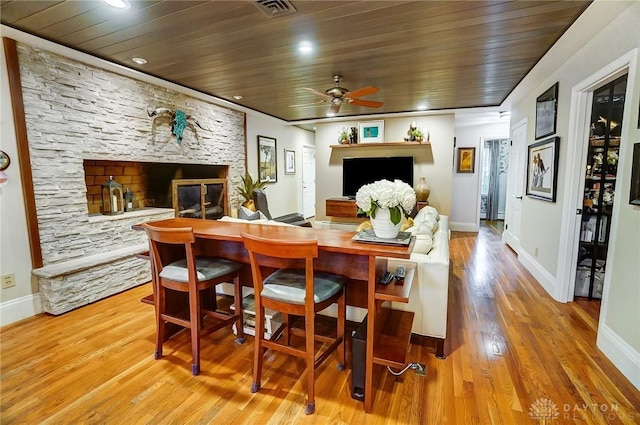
(8, 280)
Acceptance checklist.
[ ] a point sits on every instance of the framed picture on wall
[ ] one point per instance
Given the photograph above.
(267, 160)
(542, 169)
(466, 160)
(289, 162)
(546, 112)
(371, 131)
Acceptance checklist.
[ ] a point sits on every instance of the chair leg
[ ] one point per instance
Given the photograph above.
(195, 323)
(258, 352)
(160, 305)
(237, 295)
(310, 358)
(287, 327)
(342, 313)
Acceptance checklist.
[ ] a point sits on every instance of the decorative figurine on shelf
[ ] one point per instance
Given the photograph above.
(415, 134)
(353, 136)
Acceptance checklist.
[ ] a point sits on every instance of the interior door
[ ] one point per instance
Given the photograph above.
(515, 185)
(308, 181)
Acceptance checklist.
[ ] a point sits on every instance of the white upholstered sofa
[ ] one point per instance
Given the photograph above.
(430, 291)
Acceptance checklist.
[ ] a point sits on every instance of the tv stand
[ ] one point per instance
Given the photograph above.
(345, 207)
(341, 207)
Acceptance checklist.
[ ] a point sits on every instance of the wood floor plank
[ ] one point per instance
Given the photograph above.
(509, 347)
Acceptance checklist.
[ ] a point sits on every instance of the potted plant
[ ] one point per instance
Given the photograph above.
(343, 136)
(384, 202)
(246, 190)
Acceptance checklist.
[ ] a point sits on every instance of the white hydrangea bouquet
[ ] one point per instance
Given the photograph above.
(396, 196)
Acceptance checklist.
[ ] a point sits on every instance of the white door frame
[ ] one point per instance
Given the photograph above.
(579, 120)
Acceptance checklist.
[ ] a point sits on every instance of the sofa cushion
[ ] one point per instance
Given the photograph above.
(423, 244)
(426, 212)
(245, 213)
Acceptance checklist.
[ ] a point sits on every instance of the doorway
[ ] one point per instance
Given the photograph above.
(603, 147)
(493, 185)
(308, 181)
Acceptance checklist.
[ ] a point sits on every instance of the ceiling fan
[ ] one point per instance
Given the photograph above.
(336, 96)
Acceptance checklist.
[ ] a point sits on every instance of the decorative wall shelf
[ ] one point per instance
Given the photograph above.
(379, 145)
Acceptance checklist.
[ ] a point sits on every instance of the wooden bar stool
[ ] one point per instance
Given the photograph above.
(294, 290)
(176, 266)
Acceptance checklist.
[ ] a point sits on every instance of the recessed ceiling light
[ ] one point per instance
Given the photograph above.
(118, 4)
(331, 114)
(305, 47)
(139, 61)
(422, 107)
(237, 97)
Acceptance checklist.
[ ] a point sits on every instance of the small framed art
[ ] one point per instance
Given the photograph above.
(546, 112)
(542, 169)
(466, 160)
(289, 162)
(371, 131)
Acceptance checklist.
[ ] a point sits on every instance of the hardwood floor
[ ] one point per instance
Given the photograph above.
(512, 351)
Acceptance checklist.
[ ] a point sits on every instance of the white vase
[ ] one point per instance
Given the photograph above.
(383, 227)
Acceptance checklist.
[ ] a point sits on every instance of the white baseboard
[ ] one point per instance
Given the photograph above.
(464, 227)
(20, 308)
(621, 354)
(544, 278)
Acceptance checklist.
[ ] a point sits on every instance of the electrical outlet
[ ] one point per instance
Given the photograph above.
(421, 369)
(8, 280)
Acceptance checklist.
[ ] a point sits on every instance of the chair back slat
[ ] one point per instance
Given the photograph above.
(162, 240)
(173, 235)
(301, 248)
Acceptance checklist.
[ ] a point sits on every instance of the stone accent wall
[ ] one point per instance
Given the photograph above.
(75, 112)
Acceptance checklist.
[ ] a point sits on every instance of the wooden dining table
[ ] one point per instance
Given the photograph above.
(388, 331)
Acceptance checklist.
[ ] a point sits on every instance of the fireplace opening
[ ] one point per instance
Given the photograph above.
(150, 182)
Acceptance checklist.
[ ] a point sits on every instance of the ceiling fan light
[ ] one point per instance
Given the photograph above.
(118, 4)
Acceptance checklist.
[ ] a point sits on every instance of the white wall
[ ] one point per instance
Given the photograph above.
(432, 161)
(465, 200)
(618, 34)
(17, 302)
(288, 188)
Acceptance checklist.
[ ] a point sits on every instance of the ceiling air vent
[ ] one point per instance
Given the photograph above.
(273, 8)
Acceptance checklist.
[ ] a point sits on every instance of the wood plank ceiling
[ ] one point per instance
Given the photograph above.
(440, 54)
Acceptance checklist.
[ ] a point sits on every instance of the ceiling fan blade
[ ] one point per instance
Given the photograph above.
(362, 92)
(314, 91)
(367, 103)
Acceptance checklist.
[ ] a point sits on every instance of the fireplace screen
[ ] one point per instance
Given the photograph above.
(200, 198)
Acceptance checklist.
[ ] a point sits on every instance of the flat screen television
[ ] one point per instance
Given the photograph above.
(357, 172)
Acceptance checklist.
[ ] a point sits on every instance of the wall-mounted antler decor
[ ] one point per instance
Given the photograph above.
(179, 122)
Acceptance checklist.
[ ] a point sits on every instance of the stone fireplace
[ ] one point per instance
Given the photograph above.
(149, 182)
(84, 124)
